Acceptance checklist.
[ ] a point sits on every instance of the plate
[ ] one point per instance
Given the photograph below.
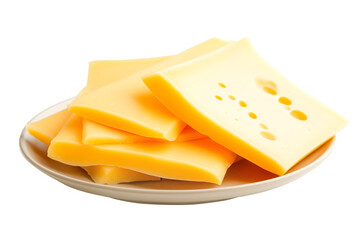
(243, 178)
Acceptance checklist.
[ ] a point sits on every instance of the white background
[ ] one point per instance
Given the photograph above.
(45, 48)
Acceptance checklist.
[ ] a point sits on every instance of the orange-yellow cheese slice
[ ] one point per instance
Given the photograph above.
(128, 104)
(233, 96)
(94, 133)
(102, 73)
(113, 175)
(199, 160)
(105, 72)
(47, 128)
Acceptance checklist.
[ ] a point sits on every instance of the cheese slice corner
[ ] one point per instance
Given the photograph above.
(105, 72)
(47, 128)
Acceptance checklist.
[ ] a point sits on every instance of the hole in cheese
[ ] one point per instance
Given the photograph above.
(263, 126)
(268, 136)
(242, 103)
(269, 90)
(232, 97)
(298, 115)
(285, 101)
(222, 85)
(267, 86)
(252, 115)
(218, 97)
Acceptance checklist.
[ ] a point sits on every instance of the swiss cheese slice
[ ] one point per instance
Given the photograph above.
(233, 96)
(47, 128)
(94, 133)
(199, 160)
(129, 105)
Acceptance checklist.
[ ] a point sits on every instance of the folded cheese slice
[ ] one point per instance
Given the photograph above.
(94, 133)
(233, 96)
(128, 104)
(199, 160)
(47, 128)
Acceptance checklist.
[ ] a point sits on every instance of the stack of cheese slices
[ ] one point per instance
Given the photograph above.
(186, 117)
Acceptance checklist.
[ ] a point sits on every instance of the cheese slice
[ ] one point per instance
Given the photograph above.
(102, 73)
(94, 133)
(113, 175)
(199, 160)
(105, 72)
(241, 102)
(47, 128)
(129, 105)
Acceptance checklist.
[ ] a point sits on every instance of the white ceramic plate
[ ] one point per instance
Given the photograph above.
(242, 178)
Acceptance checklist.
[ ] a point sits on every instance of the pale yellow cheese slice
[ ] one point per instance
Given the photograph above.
(233, 96)
(199, 160)
(128, 104)
(47, 128)
(94, 133)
